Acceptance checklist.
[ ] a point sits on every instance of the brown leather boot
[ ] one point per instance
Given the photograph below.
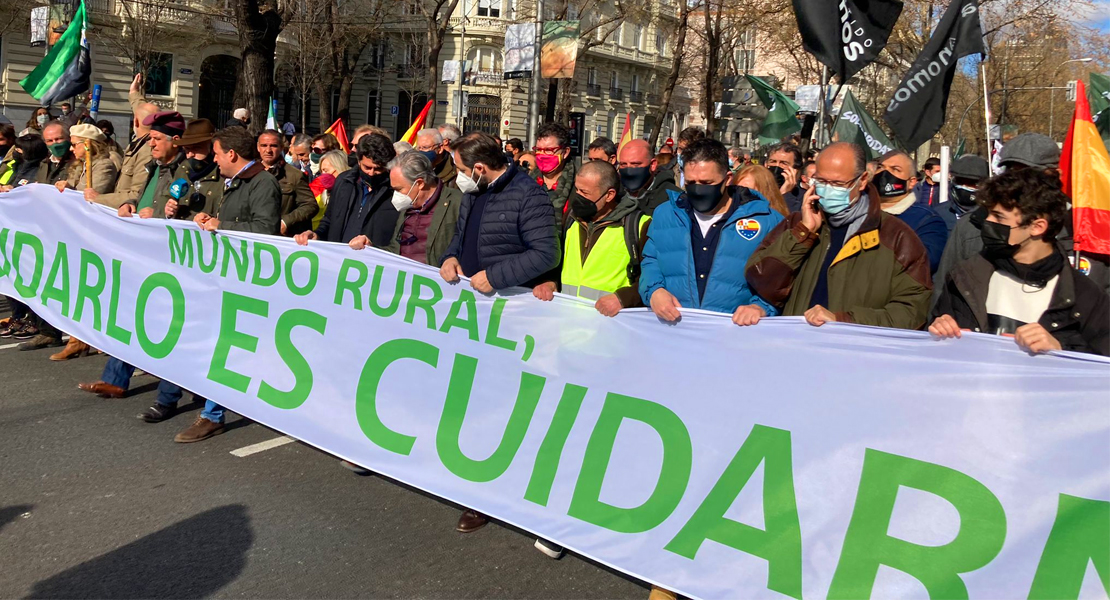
(201, 429)
(73, 349)
(104, 390)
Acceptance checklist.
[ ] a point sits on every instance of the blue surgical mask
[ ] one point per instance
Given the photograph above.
(834, 199)
(431, 155)
(681, 161)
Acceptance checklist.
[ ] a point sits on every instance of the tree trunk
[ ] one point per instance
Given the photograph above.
(323, 96)
(258, 32)
(435, 45)
(672, 77)
(712, 64)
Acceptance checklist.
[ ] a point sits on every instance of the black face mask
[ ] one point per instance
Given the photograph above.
(371, 180)
(196, 165)
(965, 199)
(779, 174)
(890, 185)
(582, 207)
(996, 241)
(634, 178)
(703, 197)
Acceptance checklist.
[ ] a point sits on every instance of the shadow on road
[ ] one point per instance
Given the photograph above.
(10, 513)
(191, 559)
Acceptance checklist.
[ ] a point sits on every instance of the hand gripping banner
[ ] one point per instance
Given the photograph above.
(713, 460)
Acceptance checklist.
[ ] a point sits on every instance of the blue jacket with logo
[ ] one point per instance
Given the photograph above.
(668, 260)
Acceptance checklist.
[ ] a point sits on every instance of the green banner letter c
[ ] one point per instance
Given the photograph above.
(982, 529)
(366, 395)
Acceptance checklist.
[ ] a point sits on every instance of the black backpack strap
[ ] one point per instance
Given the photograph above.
(632, 243)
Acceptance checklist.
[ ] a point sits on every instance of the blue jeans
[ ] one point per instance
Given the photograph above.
(117, 373)
(169, 394)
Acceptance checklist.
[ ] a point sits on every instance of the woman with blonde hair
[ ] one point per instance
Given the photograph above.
(332, 165)
(93, 167)
(758, 178)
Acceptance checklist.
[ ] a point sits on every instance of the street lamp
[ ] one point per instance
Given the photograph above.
(1052, 93)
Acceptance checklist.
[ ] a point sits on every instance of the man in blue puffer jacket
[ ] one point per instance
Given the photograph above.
(699, 242)
(507, 233)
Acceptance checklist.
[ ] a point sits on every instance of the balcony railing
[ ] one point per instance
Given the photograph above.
(636, 96)
(654, 99)
(488, 78)
(593, 89)
(616, 94)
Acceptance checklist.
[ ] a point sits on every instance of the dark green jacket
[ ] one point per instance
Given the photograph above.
(444, 218)
(206, 192)
(252, 202)
(880, 276)
(163, 176)
(298, 206)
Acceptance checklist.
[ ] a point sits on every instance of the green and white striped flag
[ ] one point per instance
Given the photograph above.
(67, 69)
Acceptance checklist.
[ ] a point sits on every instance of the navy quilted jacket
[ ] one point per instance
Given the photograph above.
(518, 237)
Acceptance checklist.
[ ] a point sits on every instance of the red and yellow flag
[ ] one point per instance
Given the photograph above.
(1085, 171)
(339, 130)
(626, 135)
(417, 125)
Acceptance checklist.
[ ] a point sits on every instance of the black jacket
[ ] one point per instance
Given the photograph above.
(518, 238)
(379, 219)
(1078, 315)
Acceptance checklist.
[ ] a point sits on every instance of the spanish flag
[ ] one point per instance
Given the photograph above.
(626, 135)
(417, 125)
(339, 130)
(1085, 171)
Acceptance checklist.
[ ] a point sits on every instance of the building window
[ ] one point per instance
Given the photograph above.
(637, 36)
(489, 8)
(484, 60)
(745, 61)
(614, 81)
(635, 83)
(661, 43)
(591, 76)
(158, 74)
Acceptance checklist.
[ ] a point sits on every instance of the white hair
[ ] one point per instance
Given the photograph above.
(414, 165)
(449, 131)
(437, 139)
(401, 147)
(241, 114)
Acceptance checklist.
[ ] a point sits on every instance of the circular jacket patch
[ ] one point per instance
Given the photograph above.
(747, 228)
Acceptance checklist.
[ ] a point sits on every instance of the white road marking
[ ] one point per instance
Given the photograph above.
(6, 346)
(262, 446)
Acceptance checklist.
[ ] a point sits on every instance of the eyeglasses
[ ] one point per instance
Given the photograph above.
(319, 150)
(840, 184)
(539, 150)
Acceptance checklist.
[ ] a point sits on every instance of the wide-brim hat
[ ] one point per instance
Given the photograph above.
(197, 131)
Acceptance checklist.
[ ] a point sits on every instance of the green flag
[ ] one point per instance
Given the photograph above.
(67, 69)
(1098, 94)
(780, 121)
(961, 147)
(856, 126)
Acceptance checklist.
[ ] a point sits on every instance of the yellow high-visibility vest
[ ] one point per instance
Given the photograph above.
(606, 267)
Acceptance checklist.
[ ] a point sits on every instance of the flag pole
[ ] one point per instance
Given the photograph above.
(987, 117)
(821, 109)
(534, 90)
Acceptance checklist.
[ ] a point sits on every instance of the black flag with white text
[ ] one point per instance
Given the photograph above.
(916, 112)
(846, 35)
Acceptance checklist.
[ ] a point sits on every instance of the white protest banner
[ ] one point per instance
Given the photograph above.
(713, 460)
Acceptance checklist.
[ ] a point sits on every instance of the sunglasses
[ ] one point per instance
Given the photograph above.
(319, 150)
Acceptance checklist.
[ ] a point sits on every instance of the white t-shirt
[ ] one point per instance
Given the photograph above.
(706, 221)
(1012, 303)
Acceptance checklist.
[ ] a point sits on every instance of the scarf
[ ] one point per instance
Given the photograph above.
(853, 216)
(1037, 274)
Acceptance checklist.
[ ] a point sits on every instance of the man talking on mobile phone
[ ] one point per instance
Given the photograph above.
(841, 258)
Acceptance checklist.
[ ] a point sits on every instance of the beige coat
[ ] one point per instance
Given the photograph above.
(132, 173)
(103, 175)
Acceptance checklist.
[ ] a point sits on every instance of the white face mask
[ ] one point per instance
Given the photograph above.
(935, 177)
(467, 184)
(403, 202)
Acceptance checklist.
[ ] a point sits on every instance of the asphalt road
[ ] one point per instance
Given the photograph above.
(97, 504)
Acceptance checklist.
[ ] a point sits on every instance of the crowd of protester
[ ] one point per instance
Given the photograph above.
(823, 235)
